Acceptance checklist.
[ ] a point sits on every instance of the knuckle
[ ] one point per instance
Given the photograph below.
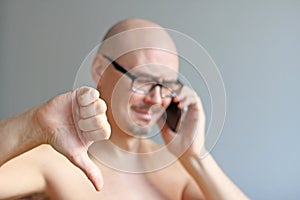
(81, 100)
(82, 90)
(106, 131)
(100, 119)
(98, 122)
(94, 93)
(100, 106)
(86, 95)
(88, 111)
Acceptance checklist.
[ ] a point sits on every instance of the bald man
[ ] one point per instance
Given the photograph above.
(51, 152)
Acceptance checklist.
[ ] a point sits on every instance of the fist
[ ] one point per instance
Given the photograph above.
(70, 123)
(91, 119)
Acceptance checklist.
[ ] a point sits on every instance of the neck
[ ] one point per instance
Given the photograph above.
(125, 141)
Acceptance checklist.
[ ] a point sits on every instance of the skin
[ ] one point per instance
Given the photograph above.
(52, 147)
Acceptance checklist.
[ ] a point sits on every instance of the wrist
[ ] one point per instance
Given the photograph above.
(188, 157)
(36, 122)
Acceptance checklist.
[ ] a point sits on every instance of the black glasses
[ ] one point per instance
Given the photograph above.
(145, 84)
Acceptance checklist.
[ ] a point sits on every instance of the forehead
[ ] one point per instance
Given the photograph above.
(152, 62)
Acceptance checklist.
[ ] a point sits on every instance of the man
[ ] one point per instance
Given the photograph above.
(135, 89)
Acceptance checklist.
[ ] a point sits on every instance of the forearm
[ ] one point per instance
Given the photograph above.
(211, 179)
(18, 134)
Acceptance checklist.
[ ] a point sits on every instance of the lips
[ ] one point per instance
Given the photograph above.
(142, 113)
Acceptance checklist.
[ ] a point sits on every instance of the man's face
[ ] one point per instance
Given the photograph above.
(132, 112)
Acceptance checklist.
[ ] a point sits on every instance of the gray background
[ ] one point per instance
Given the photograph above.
(254, 43)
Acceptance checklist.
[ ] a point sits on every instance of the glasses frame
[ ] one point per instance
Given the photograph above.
(121, 69)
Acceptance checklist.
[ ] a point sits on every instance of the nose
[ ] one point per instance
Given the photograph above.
(154, 96)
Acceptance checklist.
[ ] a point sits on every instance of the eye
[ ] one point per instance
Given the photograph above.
(143, 84)
(144, 80)
(175, 86)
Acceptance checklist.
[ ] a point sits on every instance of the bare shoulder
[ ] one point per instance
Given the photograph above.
(32, 159)
(55, 167)
(41, 170)
(38, 162)
(24, 174)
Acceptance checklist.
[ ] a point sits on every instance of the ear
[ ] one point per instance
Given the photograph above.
(98, 67)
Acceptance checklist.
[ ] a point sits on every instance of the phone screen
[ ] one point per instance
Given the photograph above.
(174, 115)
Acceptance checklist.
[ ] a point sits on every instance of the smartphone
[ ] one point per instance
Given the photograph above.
(174, 116)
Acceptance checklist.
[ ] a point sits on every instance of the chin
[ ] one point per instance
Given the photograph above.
(139, 125)
(141, 131)
(143, 123)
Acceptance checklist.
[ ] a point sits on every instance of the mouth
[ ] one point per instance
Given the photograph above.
(143, 114)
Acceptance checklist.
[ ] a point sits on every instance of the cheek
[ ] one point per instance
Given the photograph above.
(166, 103)
(135, 98)
(114, 89)
(105, 93)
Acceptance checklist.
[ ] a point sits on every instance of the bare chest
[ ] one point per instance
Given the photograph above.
(136, 186)
(118, 185)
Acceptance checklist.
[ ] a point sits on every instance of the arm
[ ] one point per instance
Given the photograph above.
(188, 145)
(19, 134)
(22, 175)
(52, 123)
(210, 178)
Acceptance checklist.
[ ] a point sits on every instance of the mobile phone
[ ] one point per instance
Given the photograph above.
(174, 116)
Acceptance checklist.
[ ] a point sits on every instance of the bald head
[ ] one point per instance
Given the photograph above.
(129, 24)
(132, 34)
(136, 42)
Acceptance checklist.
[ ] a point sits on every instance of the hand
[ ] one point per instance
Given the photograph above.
(190, 138)
(71, 133)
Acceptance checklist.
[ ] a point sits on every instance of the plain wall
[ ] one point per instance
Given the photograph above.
(255, 44)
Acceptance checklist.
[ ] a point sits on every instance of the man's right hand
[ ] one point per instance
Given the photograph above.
(70, 123)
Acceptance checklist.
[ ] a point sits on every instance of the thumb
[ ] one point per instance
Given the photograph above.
(90, 169)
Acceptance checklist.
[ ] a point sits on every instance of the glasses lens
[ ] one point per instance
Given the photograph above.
(174, 86)
(166, 92)
(142, 84)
